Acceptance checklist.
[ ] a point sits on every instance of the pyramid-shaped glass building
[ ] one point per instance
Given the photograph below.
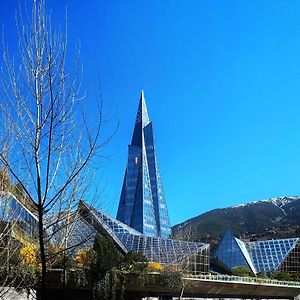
(280, 255)
(142, 203)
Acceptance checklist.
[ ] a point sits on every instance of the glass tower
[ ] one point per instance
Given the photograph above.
(142, 203)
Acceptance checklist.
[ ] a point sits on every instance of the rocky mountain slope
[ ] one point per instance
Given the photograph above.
(266, 219)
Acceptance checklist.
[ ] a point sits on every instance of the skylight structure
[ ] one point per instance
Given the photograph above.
(259, 256)
(270, 255)
(192, 257)
(142, 203)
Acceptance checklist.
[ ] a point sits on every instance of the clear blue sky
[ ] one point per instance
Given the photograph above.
(222, 85)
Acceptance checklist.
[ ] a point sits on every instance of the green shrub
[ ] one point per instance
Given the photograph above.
(107, 256)
(241, 271)
(171, 279)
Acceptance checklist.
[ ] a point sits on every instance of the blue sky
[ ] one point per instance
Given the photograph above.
(222, 85)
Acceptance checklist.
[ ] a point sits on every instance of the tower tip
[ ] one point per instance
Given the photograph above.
(142, 114)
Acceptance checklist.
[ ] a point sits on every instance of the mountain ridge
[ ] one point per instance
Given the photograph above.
(264, 219)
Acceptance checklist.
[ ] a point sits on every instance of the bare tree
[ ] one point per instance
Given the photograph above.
(53, 138)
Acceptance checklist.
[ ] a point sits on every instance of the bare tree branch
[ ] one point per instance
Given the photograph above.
(55, 138)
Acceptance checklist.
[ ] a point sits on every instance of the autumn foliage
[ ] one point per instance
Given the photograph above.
(28, 255)
(155, 267)
(85, 257)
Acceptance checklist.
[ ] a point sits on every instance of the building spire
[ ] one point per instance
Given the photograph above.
(142, 114)
(142, 203)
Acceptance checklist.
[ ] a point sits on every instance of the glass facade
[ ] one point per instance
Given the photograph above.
(269, 255)
(22, 220)
(229, 251)
(81, 234)
(142, 203)
(292, 262)
(259, 256)
(191, 257)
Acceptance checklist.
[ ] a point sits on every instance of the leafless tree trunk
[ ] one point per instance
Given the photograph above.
(54, 140)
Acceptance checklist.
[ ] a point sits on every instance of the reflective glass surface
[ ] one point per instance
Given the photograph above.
(229, 252)
(269, 255)
(13, 211)
(259, 256)
(142, 203)
(292, 263)
(191, 256)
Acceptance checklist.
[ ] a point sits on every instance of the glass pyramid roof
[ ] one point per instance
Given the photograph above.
(269, 255)
(259, 256)
(165, 251)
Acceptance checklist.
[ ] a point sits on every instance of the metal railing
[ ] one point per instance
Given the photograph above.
(238, 279)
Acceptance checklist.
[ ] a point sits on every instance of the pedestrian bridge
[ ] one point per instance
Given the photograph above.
(216, 286)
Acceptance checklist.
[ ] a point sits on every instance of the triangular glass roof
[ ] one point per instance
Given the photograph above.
(259, 256)
(232, 252)
(243, 248)
(270, 254)
(165, 251)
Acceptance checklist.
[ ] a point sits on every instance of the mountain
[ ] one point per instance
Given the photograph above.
(266, 219)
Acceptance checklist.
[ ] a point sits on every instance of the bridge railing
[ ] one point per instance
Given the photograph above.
(243, 279)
